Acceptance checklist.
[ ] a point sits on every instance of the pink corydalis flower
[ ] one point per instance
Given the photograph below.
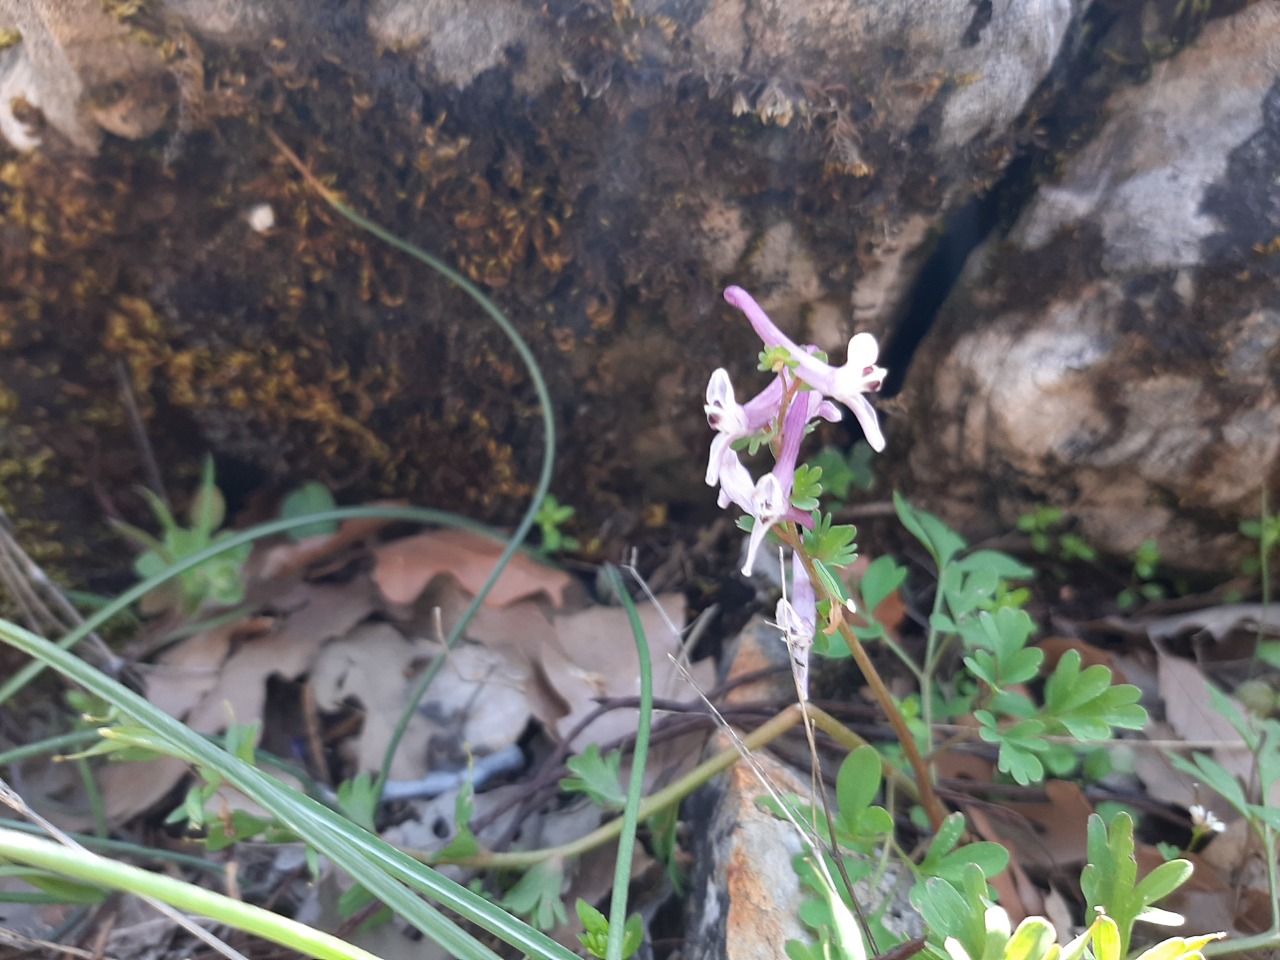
(848, 383)
(767, 500)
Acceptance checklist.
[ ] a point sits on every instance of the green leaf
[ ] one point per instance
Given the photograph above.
(837, 476)
(1146, 559)
(966, 592)
(1215, 776)
(1268, 652)
(956, 912)
(799, 950)
(208, 508)
(941, 623)
(1032, 940)
(832, 545)
(149, 564)
(1076, 548)
(1164, 880)
(1020, 746)
(1106, 939)
(828, 582)
(983, 666)
(536, 895)
(632, 935)
(1042, 519)
(882, 577)
(595, 925)
(140, 537)
(358, 800)
(806, 487)
(859, 824)
(356, 898)
(464, 842)
(312, 497)
(1001, 564)
(551, 515)
(1179, 948)
(664, 836)
(1087, 704)
(858, 780)
(1109, 880)
(229, 829)
(945, 861)
(940, 540)
(775, 359)
(599, 777)
(160, 510)
(1004, 658)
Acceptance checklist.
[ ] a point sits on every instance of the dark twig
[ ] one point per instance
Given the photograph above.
(149, 465)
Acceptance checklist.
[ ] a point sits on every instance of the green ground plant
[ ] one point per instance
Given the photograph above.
(1044, 525)
(550, 518)
(1143, 583)
(217, 580)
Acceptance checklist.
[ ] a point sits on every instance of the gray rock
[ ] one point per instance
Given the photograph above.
(1116, 355)
(82, 68)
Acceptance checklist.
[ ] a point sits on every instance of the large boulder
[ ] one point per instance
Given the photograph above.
(1117, 354)
(603, 169)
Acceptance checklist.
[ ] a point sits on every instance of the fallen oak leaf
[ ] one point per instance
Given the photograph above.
(291, 557)
(403, 568)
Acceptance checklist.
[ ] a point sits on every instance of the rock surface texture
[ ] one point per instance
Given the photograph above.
(604, 170)
(1118, 353)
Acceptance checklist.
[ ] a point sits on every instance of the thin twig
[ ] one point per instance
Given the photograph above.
(19, 941)
(140, 438)
(43, 602)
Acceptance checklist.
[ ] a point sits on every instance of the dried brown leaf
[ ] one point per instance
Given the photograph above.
(286, 558)
(374, 665)
(1051, 835)
(317, 614)
(518, 631)
(405, 567)
(1090, 655)
(1184, 689)
(595, 657)
(131, 788)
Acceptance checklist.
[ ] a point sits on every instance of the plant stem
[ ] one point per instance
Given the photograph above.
(933, 807)
(76, 738)
(930, 665)
(762, 736)
(121, 847)
(630, 813)
(543, 484)
(101, 871)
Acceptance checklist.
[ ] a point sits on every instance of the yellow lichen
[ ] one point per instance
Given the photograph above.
(260, 376)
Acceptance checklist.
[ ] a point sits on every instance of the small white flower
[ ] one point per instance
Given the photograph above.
(1202, 818)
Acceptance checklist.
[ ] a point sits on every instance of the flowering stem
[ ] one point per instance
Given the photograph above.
(933, 807)
(757, 739)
